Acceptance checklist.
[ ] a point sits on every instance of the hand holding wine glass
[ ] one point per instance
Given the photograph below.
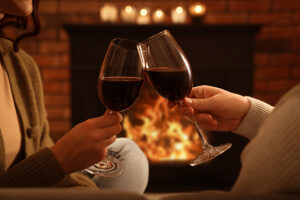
(120, 80)
(169, 72)
(215, 109)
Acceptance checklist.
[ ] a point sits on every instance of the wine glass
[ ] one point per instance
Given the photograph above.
(119, 83)
(168, 71)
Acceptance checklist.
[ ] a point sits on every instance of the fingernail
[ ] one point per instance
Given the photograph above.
(188, 101)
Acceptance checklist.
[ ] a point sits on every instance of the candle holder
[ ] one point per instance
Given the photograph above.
(158, 16)
(197, 12)
(143, 17)
(178, 15)
(128, 14)
(108, 13)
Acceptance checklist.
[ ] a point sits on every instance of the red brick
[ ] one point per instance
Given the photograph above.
(249, 5)
(268, 97)
(226, 18)
(296, 17)
(55, 74)
(279, 85)
(215, 5)
(30, 47)
(63, 35)
(56, 87)
(272, 72)
(90, 19)
(264, 33)
(78, 6)
(59, 113)
(54, 47)
(57, 100)
(296, 72)
(48, 7)
(270, 18)
(260, 85)
(286, 4)
(58, 128)
(279, 59)
(284, 32)
(261, 58)
(52, 61)
(47, 34)
(295, 45)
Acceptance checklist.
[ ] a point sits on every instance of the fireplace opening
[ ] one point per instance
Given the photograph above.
(161, 133)
(220, 55)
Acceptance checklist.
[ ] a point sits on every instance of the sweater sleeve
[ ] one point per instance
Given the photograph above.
(39, 170)
(256, 115)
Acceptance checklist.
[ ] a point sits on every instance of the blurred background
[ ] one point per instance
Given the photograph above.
(276, 51)
(262, 36)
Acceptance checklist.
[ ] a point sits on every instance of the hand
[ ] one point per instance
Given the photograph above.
(214, 109)
(87, 142)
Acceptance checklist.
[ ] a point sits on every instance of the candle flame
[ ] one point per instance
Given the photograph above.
(159, 13)
(198, 9)
(179, 9)
(128, 9)
(144, 12)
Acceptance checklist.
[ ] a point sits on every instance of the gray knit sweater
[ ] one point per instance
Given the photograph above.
(271, 161)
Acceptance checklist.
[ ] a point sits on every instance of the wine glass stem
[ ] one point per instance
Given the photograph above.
(201, 133)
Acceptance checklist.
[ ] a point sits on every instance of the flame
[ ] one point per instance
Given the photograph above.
(162, 133)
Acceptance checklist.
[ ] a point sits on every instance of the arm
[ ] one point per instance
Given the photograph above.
(81, 147)
(256, 115)
(216, 109)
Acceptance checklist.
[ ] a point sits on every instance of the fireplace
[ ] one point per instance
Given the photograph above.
(220, 55)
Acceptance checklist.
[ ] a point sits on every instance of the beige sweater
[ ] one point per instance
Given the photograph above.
(271, 161)
(35, 166)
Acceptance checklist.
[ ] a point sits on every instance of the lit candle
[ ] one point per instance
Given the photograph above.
(143, 17)
(128, 14)
(178, 15)
(198, 9)
(158, 16)
(109, 13)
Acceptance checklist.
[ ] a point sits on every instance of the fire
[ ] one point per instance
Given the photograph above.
(162, 133)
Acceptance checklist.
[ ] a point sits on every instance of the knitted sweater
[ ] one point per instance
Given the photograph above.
(36, 165)
(271, 161)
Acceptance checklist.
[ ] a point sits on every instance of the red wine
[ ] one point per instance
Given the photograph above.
(170, 82)
(119, 93)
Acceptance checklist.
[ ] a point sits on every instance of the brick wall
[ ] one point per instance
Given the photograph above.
(277, 47)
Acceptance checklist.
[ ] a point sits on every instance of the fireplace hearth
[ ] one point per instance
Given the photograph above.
(220, 55)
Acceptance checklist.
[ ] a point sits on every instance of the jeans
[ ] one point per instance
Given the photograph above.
(134, 177)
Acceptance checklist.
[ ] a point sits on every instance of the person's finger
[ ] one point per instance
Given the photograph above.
(201, 105)
(106, 120)
(109, 141)
(110, 131)
(204, 91)
(186, 110)
(206, 121)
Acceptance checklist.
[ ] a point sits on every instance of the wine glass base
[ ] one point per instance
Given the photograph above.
(210, 153)
(111, 169)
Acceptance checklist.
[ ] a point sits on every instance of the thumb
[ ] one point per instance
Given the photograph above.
(202, 105)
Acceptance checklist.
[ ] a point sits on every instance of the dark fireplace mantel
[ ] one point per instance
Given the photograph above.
(220, 55)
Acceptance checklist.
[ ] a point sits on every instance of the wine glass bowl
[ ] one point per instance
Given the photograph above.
(120, 80)
(168, 71)
(121, 75)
